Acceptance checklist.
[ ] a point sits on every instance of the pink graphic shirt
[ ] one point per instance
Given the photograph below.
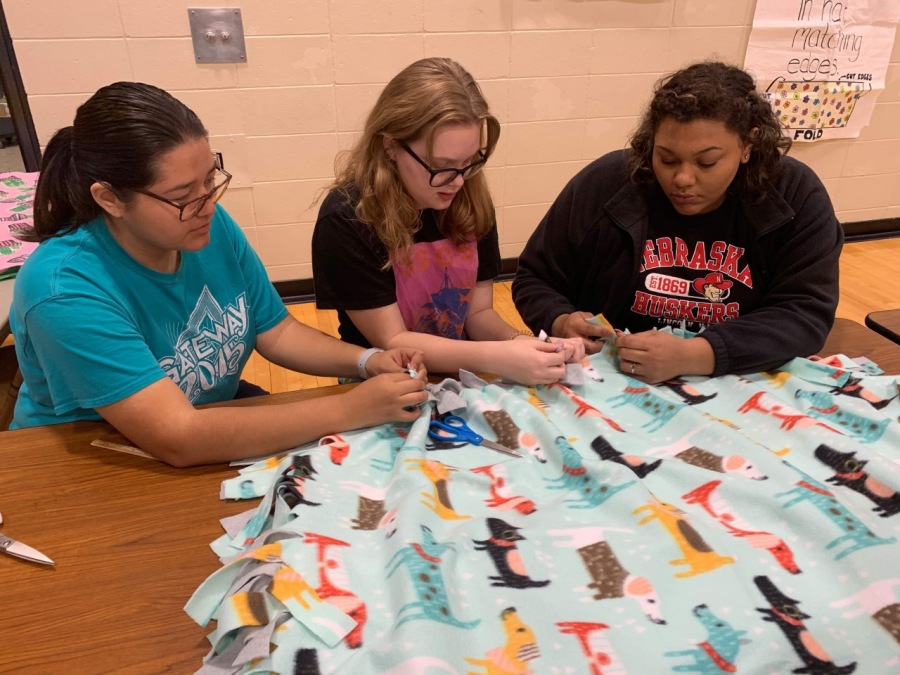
(434, 290)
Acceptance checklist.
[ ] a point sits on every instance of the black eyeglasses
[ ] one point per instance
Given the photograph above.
(188, 210)
(442, 177)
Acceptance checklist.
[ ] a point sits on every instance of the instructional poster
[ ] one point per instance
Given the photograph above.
(822, 63)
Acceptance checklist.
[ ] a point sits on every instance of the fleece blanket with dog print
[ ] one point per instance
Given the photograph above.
(729, 525)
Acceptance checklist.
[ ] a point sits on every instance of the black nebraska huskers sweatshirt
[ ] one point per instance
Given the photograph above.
(587, 252)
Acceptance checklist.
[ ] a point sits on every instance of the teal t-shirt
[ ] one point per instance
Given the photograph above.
(93, 326)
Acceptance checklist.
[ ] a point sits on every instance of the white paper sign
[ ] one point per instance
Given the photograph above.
(822, 63)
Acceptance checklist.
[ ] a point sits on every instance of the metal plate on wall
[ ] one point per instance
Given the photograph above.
(217, 34)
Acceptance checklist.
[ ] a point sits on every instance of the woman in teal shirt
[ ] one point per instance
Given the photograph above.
(144, 298)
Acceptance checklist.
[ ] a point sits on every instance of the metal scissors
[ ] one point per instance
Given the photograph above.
(454, 428)
(21, 550)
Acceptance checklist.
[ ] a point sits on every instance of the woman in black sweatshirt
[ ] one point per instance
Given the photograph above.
(702, 224)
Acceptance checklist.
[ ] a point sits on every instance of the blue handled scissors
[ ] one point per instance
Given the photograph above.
(454, 428)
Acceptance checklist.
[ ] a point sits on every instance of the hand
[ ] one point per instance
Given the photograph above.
(575, 325)
(383, 399)
(573, 348)
(658, 357)
(529, 361)
(395, 360)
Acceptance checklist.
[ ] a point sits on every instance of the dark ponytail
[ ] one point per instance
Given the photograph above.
(712, 90)
(118, 136)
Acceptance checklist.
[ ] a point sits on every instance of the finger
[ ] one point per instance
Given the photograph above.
(416, 398)
(552, 360)
(410, 385)
(633, 346)
(549, 347)
(392, 363)
(567, 343)
(408, 415)
(577, 350)
(647, 339)
(415, 357)
(587, 329)
(580, 347)
(592, 346)
(632, 355)
(630, 368)
(572, 345)
(603, 331)
(402, 383)
(396, 366)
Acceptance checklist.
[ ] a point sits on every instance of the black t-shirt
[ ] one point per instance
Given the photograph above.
(695, 269)
(433, 290)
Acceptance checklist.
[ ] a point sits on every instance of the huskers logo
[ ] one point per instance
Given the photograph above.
(702, 300)
(723, 258)
(714, 287)
(675, 310)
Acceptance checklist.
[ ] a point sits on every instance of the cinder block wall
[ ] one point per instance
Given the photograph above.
(565, 77)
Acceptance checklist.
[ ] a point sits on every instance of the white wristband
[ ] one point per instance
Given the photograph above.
(363, 359)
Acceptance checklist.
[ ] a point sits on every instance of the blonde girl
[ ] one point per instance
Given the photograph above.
(405, 246)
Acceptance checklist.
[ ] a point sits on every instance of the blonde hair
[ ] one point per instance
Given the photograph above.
(422, 97)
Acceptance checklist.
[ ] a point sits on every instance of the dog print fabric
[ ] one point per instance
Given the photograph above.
(743, 524)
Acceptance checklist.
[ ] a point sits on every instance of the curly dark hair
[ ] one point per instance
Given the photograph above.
(712, 90)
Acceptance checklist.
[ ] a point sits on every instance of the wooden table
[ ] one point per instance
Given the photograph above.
(853, 339)
(886, 322)
(130, 539)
